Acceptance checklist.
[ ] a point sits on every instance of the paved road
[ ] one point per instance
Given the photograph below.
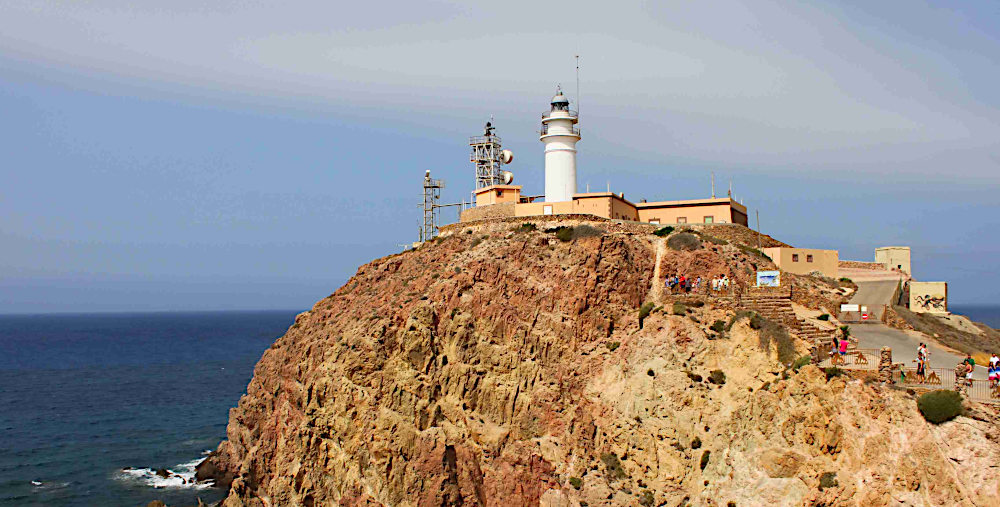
(904, 347)
(875, 292)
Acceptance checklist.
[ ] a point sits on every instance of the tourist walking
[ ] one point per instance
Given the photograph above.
(921, 363)
(970, 366)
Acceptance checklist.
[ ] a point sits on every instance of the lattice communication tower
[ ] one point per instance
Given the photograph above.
(488, 155)
(432, 192)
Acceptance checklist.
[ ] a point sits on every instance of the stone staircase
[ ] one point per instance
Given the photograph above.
(779, 309)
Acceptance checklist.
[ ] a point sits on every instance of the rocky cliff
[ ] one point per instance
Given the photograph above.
(500, 365)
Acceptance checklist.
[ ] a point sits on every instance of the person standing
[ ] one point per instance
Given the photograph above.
(921, 363)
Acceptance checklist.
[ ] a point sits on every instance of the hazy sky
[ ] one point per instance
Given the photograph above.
(215, 155)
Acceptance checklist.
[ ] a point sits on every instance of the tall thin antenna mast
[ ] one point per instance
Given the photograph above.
(713, 184)
(577, 86)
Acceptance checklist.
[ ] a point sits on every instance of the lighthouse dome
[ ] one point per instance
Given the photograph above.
(560, 99)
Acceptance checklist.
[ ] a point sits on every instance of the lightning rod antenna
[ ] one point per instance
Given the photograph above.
(578, 86)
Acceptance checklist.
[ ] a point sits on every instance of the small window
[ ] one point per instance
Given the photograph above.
(809, 258)
(709, 220)
(795, 257)
(654, 221)
(682, 220)
(546, 210)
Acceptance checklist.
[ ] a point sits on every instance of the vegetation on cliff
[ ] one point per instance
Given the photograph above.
(503, 365)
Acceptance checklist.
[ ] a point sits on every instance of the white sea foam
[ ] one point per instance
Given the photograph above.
(181, 476)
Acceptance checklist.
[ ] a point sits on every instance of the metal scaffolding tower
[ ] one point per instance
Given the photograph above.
(487, 154)
(432, 192)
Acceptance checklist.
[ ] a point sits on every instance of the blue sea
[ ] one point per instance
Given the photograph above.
(989, 315)
(83, 397)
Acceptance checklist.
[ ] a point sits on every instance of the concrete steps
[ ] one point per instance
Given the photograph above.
(779, 309)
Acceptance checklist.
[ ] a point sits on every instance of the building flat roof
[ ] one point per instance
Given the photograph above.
(693, 202)
(497, 187)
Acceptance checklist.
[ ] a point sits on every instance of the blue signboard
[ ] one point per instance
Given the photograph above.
(769, 278)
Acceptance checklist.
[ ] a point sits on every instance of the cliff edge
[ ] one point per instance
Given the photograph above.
(505, 365)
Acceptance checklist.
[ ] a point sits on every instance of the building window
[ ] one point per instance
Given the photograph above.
(809, 258)
(795, 257)
(546, 210)
(654, 221)
(682, 220)
(709, 220)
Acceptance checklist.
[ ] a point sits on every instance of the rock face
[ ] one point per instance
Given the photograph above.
(500, 366)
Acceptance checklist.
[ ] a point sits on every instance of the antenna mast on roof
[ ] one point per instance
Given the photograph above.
(577, 86)
(713, 184)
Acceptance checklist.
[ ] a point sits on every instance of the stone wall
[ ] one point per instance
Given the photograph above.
(874, 266)
(487, 212)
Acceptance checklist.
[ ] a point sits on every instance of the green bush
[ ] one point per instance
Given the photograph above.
(613, 466)
(526, 227)
(612, 346)
(845, 332)
(718, 326)
(714, 240)
(644, 312)
(684, 241)
(846, 280)
(774, 335)
(586, 231)
(802, 361)
(576, 482)
(756, 322)
(825, 316)
(833, 371)
(828, 480)
(664, 231)
(940, 406)
(752, 251)
(646, 498)
(564, 233)
(680, 309)
(717, 377)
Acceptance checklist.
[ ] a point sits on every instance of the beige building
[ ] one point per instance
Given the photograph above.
(929, 297)
(894, 257)
(802, 261)
(498, 201)
(698, 211)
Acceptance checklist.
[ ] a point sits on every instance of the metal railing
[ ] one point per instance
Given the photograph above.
(855, 359)
(485, 140)
(545, 131)
(946, 378)
(571, 113)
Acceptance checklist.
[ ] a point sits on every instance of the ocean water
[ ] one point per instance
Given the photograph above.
(987, 314)
(83, 397)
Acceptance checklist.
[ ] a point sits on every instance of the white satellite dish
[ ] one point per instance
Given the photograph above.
(506, 156)
(507, 177)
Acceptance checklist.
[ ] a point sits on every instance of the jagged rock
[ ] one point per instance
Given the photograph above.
(475, 370)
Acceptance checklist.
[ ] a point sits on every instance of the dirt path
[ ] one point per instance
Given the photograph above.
(656, 291)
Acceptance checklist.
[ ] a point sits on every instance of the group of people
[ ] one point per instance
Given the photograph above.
(686, 284)
(682, 283)
(839, 348)
(965, 369)
(720, 284)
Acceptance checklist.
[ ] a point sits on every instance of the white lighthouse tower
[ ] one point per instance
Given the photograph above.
(560, 134)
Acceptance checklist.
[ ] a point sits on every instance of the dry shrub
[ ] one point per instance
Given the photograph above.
(684, 241)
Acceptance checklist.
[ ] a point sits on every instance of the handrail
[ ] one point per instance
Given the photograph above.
(570, 113)
(484, 140)
(545, 131)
